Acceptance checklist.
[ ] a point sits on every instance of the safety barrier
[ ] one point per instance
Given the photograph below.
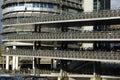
(63, 54)
(65, 35)
(62, 17)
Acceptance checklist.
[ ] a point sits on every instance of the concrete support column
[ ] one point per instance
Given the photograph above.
(33, 45)
(16, 66)
(36, 65)
(13, 63)
(33, 66)
(33, 62)
(7, 62)
(54, 64)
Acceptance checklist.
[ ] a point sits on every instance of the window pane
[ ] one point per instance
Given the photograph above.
(50, 5)
(21, 4)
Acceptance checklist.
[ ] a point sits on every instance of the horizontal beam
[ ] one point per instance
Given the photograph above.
(104, 56)
(61, 40)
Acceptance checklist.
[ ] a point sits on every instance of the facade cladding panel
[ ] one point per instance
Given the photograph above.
(56, 35)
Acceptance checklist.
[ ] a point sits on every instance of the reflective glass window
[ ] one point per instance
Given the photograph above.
(41, 5)
(21, 4)
(35, 4)
(50, 5)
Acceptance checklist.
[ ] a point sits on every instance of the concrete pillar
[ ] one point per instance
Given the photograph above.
(7, 62)
(33, 62)
(13, 63)
(36, 65)
(16, 64)
(54, 64)
(33, 66)
(33, 45)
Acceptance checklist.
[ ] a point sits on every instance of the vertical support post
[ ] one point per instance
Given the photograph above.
(16, 63)
(14, 60)
(7, 62)
(33, 66)
(13, 63)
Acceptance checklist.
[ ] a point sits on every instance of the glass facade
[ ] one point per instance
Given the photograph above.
(98, 5)
(101, 5)
(44, 5)
(41, 5)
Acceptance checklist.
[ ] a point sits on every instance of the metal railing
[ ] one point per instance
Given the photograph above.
(114, 27)
(63, 54)
(63, 17)
(65, 35)
(27, 71)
